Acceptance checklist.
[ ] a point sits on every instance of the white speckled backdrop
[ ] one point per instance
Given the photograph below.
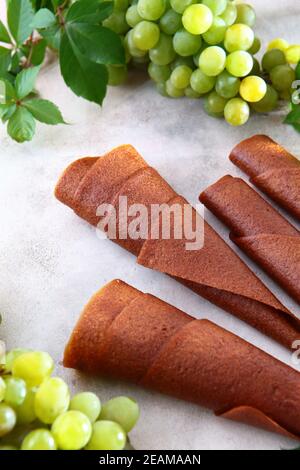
(51, 262)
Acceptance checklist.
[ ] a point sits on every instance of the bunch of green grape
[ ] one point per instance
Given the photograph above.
(38, 413)
(204, 49)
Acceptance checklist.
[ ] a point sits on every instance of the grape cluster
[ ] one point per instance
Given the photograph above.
(38, 413)
(204, 50)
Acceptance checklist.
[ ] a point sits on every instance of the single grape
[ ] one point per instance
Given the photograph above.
(33, 367)
(253, 89)
(163, 53)
(246, 14)
(255, 48)
(237, 112)
(170, 22)
(52, 398)
(190, 93)
(216, 6)
(151, 9)
(2, 389)
(88, 403)
(11, 356)
(107, 435)
(161, 88)
(159, 73)
(282, 77)
(132, 16)
(256, 68)
(172, 91)
(230, 14)
(117, 74)
(145, 35)
(278, 43)
(272, 59)
(292, 54)
(7, 419)
(212, 61)
(268, 103)
(214, 104)
(39, 439)
(216, 32)
(122, 410)
(227, 85)
(239, 63)
(201, 83)
(180, 5)
(15, 391)
(25, 411)
(117, 22)
(129, 45)
(197, 19)
(185, 43)
(180, 78)
(72, 430)
(238, 37)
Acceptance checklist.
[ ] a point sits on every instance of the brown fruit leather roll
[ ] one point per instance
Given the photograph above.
(214, 271)
(125, 334)
(272, 169)
(258, 229)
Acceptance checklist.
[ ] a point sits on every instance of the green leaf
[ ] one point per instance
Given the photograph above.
(9, 90)
(19, 16)
(44, 111)
(85, 78)
(89, 11)
(21, 125)
(36, 51)
(96, 43)
(4, 36)
(44, 18)
(298, 71)
(294, 116)
(25, 81)
(6, 111)
(52, 36)
(5, 60)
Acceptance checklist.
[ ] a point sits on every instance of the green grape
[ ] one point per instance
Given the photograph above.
(129, 45)
(216, 6)
(285, 95)
(278, 43)
(2, 389)
(227, 85)
(7, 419)
(239, 63)
(141, 62)
(212, 61)
(117, 74)
(33, 367)
(132, 16)
(188, 61)
(172, 91)
(161, 88)
(201, 83)
(72, 430)
(170, 22)
(121, 4)
(107, 435)
(282, 77)
(163, 53)
(237, 112)
(292, 54)
(185, 43)
(190, 93)
(151, 9)
(8, 448)
(272, 59)
(88, 403)
(268, 103)
(197, 19)
(15, 391)
(230, 14)
(245, 14)
(180, 77)
(117, 22)
(122, 410)
(216, 32)
(253, 89)
(39, 439)
(159, 73)
(214, 104)
(25, 411)
(180, 5)
(52, 398)
(255, 48)
(11, 356)
(238, 37)
(256, 68)
(145, 35)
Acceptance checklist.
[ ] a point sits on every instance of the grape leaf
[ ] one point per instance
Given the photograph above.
(44, 111)
(44, 18)
(19, 16)
(6, 111)
(5, 60)
(85, 78)
(25, 81)
(21, 125)
(4, 36)
(91, 11)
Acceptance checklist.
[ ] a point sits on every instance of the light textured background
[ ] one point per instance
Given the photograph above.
(52, 262)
